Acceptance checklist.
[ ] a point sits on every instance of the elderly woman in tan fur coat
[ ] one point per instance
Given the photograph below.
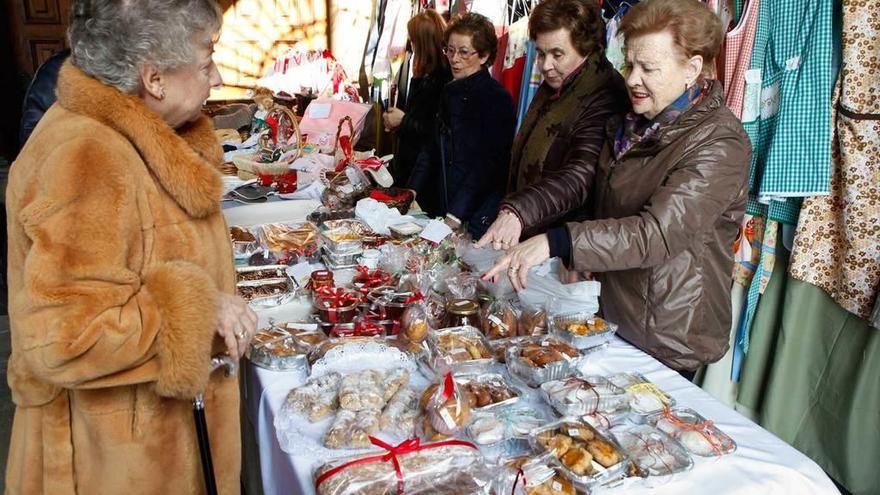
(120, 266)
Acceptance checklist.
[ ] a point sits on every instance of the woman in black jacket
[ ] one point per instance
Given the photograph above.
(477, 123)
(416, 125)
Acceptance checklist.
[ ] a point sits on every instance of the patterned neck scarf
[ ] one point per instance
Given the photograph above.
(636, 128)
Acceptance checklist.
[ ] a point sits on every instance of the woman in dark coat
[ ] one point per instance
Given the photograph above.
(553, 161)
(416, 126)
(477, 125)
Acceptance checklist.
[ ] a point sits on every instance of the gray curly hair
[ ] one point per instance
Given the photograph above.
(111, 40)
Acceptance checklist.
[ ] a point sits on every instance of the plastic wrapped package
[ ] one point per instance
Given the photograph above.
(588, 457)
(317, 398)
(582, 330)
(654, 454)
(532, 321)
(448, 408)
(462, 286)
(698, 436)
(486, 391)
(401, 413)
(336, 305)
(541, 360)
(451, 467)
(459, 349)
(505, 430)
(527, 475)
(499, 319)
(645, 398)
(290, 239)
(284, 348)
(543, 285)
(577, 396)
(254, 273)
(360, 391)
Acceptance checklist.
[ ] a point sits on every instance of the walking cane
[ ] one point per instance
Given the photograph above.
(218, 361)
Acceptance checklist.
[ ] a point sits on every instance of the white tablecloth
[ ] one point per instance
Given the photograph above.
(762, 463)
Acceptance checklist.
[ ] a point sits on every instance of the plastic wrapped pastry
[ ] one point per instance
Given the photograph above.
(400, 413)
(443, 468)
(653, 452)
(577, 396)
(337, 436)
(588, 457)
(317, 398)
(393, 380)
(448, 408)
(360, 391)
(697, 435)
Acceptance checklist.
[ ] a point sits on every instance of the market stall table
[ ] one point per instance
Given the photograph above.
(762, 463)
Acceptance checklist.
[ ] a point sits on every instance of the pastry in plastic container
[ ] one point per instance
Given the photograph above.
(698, 436)
(587, 456)
(285, 348)
(533, 475)
(487, 390)
(505, 431)
(541, 360)
(582, 330)
(253, 273)
(645, 398)
(580, 395)
(458, 349)
(654, 454)
(451, 467)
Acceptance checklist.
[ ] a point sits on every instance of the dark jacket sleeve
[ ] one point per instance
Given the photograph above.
(420, 118)
(697, 191)
(486, 167)
(40, 94)
(566, 186)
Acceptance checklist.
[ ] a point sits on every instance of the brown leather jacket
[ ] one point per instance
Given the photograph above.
(667, 214)
(569, 167)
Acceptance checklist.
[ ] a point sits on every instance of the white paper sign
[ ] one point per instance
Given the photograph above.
(319, 110)
(435, 231)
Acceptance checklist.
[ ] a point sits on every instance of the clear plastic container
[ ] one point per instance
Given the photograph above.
(654, 454)
(698, 436)
(492, 385)
(582, 330)
(540, 360)
(459, 350)
(578, 396)
(645, 398)
(567, 440)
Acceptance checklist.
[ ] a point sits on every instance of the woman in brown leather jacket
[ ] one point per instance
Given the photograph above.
(553, 161)
(670, 193)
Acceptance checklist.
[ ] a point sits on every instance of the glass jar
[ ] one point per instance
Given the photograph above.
(462, 312)
(321, 278)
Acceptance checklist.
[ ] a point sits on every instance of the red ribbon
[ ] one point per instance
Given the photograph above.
(369, 280)
(381, 196)
(413, 298)
(448, 386)
(371, 163)
(406, 447)
(337, 297)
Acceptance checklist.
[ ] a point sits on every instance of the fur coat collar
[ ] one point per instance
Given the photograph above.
(183, 161)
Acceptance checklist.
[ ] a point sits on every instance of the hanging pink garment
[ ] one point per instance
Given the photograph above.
(737, 56)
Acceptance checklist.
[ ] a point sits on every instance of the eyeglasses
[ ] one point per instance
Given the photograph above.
(450, 52)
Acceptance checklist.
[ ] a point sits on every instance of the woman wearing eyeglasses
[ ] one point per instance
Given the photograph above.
(477, 123)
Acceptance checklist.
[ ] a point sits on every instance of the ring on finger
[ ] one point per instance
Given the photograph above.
(240, 334)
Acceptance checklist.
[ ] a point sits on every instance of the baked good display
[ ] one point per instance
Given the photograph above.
(401, 412)
(645, 397)
(499, 320)
(250, 273)
(360, 391)
(513, 422)
(448, 407)
(256, 289)
(542, 359)
(284, 347)
(532, 322)
(582, 330)
(653, 452)
(486, 390)
(241, 234)
(462, 349)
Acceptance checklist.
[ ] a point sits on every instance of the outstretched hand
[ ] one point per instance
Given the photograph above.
(503, 233)
(519, 260)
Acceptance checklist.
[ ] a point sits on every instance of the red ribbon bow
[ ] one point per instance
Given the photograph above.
(371, 163)
(369, 280)
(413, 298)
(393, 451)
(337, 297)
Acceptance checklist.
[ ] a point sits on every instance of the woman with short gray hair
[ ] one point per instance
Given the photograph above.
(121, 279)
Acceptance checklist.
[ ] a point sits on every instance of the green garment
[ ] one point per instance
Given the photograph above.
(813, 376)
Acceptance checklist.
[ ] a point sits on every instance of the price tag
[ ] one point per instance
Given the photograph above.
(447, 418)
(557, 486)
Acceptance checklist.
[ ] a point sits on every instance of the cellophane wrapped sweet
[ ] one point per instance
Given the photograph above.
(441, 468)
(448, 409)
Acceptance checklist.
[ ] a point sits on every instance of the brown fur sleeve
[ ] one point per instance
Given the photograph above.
(187, 302)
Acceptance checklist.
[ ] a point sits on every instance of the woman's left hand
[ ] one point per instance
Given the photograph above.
(519, 259)
(392, 118)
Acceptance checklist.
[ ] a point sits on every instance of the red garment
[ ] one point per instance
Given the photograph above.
(737, 56)
(511, 78)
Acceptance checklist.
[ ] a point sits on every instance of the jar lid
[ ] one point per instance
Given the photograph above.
(322, 275)
(464, 307)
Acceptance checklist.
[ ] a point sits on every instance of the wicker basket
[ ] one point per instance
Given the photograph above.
(394, 197)
(249, 166)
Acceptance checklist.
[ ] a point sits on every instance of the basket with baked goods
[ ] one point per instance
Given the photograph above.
(505, 431)
(582, 330)
(588, 457)
(284, 347)
(653, 454)
(533, 475)
(459, 349)
(580, 395)
(696, 434)
(645, 398)
(448, 467)
(539, 360)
